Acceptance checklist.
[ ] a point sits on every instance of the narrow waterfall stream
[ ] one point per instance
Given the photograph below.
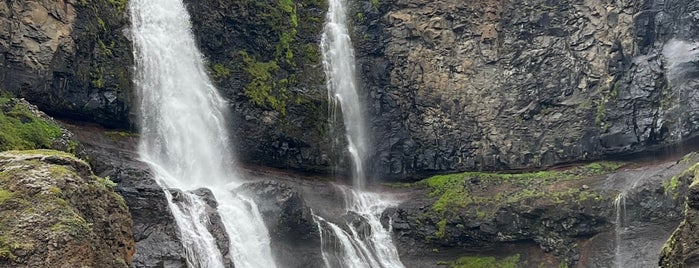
(184, 138)
(369, 243)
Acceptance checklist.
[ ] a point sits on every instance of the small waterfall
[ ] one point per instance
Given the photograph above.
(364, 242)
(679, 59)
(620, 207)
(184, 138)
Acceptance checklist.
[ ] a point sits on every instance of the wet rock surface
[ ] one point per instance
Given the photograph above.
(575, 227)
(294, 234)
(214, 224)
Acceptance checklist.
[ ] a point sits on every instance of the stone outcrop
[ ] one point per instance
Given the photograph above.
(564, 213)
(295, 238)
(68, 57)
(464, 85)
(682, 249)
(114, 155)
(54, 212)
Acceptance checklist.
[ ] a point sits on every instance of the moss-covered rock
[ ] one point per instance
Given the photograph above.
(55, 213)
(24, 127)
(682, 249)
(264, 58)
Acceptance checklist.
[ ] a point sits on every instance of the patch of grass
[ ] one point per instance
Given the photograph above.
(20, 129)
(484, 193)
(5, 195)
(486, 262)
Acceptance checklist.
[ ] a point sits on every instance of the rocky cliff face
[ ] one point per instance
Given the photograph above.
(264, 58)
(54, 212)
(69, 57)
(457, 85)
(449, 85)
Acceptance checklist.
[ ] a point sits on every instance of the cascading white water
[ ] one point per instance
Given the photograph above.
(620, 207)
(357, 248)
(184, 137)
(338, 60)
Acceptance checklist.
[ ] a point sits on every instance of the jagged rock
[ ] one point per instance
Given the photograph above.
(682, 249)
(55, 212)
(114, 155)
(68, 57)
(214, 224)
(472, 85)
(295, 237)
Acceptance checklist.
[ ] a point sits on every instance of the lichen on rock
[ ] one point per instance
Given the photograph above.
(55, 213)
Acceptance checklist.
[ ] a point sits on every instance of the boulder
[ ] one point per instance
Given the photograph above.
(55, 212)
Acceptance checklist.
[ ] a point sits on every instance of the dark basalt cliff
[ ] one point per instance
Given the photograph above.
(448, 85)
(463, 85)
(264, 58)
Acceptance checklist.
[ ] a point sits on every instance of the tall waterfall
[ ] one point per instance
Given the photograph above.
(358, 247)
(184, 137)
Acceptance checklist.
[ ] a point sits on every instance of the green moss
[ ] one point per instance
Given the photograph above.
(5, 195)
(220, 71)
(107, 182)
(441, 228)
(21, 129)
(375, 3)
(57, 171)
(73, 224)
(486, 262)
(470, 190)
(120, 5)
(262, 89)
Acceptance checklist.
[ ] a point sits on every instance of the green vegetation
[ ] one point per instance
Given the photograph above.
(120, 135)
(480, 195)
(120, 5)
(262, 89)
(20, 129)
(375, 3)
(486, 262)
(674, 183)
(453, 190)
(220, 71)
(4, 195)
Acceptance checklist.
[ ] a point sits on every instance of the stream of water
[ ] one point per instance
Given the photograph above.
(365, 242)
(184, 138)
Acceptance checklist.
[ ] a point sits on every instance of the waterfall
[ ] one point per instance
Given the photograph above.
(369, 243)
(184, 137)
(620, 207)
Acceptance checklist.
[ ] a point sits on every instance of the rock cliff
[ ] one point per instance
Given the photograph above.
(55, 213)
(69, 57)
(449, 85)
(464, 85)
